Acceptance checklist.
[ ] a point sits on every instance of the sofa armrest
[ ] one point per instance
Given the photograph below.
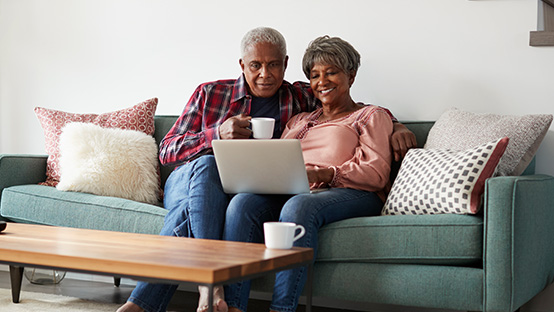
(518, 231)
(21, 169)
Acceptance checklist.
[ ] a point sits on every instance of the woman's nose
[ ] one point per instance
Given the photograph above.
(321, 81)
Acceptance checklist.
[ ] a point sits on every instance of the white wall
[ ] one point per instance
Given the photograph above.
(418, 57)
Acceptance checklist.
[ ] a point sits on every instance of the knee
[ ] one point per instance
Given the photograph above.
(242, 205)
(199, 168)
(297, 209)
(205, 164)
(205, 160)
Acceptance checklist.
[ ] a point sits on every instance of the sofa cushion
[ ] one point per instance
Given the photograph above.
(447, 239)
(139, 117)
(460, 130)
(433, 181)
(47, 205)
(109, 162)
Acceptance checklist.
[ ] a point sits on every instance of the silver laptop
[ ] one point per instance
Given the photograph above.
(261, 166)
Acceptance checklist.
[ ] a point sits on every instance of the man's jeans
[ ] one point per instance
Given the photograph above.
(247, 213)
(197, 204)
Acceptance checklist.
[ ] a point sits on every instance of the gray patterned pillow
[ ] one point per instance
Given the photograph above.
(432, 181)
(460, 130)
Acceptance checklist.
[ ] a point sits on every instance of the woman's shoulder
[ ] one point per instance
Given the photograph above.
(307, 115)
(369, 111)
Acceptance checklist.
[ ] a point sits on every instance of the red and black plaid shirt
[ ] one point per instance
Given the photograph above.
(214, 102)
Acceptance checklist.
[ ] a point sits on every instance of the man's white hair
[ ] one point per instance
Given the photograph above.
(263, 35)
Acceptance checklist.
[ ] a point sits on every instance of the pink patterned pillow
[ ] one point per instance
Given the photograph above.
(139, 117)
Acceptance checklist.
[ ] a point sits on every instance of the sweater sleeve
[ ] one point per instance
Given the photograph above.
(369, 168)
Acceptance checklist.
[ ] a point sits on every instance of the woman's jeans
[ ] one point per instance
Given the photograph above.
(247, 213)
(197, 204)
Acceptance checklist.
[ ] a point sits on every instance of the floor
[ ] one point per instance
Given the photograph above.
(103, 292)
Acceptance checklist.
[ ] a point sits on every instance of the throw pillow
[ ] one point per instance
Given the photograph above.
(460, 130)
(432, 181)
(139, 117)
(108, 162)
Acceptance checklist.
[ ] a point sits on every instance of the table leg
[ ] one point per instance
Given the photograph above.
(309, 283)
(16, 277)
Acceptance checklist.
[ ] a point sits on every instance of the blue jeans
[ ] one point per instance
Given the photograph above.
(197, 204)
(247, 213)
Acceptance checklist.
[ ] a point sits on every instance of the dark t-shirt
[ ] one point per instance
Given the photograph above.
(268, 107)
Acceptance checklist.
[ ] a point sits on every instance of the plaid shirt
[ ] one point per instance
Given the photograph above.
(214, 102)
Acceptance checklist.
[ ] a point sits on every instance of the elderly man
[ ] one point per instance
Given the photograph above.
(222, 110)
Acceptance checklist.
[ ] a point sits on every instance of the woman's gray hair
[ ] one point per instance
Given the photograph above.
(263, 35)
(331, 51)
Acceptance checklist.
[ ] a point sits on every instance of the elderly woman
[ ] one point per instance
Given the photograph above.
(346, 148)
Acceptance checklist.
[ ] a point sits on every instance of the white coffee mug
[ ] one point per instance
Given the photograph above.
(262, 127)
(281, 235)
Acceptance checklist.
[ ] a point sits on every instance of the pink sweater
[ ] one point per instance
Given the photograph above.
(357, 146)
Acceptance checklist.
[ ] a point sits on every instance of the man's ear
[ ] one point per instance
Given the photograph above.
(286, 61)
(241, 63)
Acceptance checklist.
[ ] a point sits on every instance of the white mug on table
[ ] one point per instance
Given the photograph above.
(281, 235)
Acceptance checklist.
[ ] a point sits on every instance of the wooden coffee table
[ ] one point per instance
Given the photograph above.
(150, 258)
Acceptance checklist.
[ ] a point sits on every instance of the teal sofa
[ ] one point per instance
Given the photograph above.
(494, 261)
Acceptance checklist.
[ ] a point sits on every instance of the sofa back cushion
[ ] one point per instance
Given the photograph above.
(163, 124)
(419, 128)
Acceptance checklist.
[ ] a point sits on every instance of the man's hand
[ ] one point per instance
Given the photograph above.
(235, 127)
(402, 140)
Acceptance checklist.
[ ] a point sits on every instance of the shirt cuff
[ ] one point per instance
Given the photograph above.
(336, 177)
(215, 134)
(210, 135)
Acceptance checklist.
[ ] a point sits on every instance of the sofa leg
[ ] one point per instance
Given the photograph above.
(16, 277)
(116, 281)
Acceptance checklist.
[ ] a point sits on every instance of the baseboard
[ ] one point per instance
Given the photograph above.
(543, 302)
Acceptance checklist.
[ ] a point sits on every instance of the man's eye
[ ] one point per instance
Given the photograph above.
(255, 66)
(314, 77)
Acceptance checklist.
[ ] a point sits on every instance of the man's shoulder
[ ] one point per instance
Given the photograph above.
(223, 83)
(299, 89)
(297, 84)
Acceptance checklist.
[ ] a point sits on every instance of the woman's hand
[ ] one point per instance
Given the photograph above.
(402, 140)
(318, 175)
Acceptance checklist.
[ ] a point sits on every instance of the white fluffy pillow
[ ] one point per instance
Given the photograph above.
(109, 162)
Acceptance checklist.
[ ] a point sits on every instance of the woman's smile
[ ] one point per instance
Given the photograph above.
(326, 91)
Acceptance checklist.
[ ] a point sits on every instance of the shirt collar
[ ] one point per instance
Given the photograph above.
(239, 90)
